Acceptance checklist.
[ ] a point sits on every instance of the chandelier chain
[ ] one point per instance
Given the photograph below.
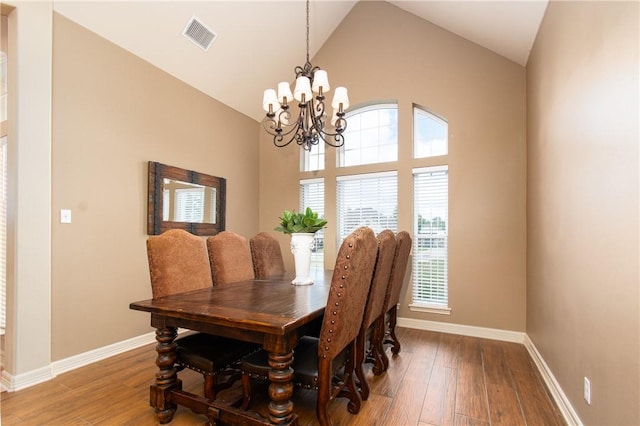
(307, 30)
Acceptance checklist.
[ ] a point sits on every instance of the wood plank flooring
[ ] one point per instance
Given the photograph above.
(437, 379)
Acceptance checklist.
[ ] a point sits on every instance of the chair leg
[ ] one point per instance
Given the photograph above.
(210, 386)
(377, 350)
(393, 318)
(325, 388)
(246, 391)
(360, 352)
(379, 334)
(355, 402)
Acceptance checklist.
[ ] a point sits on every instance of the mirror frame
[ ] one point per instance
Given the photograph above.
(157, 173)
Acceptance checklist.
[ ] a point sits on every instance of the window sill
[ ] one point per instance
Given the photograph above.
(431, 309)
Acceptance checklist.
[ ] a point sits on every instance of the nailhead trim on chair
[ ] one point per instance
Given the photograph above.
(230, 366)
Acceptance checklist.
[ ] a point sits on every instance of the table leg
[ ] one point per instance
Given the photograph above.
(166, 376)
(280, 388)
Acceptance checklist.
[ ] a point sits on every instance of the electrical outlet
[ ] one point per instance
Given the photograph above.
(587, 390)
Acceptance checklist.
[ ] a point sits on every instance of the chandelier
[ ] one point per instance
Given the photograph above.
(309, 127)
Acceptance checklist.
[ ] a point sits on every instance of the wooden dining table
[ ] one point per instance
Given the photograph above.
(271, 312)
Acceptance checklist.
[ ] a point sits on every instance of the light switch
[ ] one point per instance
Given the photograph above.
(65, 216)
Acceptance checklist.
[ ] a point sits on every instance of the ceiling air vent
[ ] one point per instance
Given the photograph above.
(198, 33)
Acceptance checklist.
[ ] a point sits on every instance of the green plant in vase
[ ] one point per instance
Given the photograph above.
(301, 227)
(292, 222)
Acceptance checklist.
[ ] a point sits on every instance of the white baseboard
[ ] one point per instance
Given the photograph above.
(24, 380)
(565, 407)
(20, 381)
(464, 330)
(86, 358)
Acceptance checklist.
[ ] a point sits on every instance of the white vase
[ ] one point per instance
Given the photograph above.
(301, 245)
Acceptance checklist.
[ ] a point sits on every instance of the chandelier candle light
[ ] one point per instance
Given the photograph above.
(309, 127)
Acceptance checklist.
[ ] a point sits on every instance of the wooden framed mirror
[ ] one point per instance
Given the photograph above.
(184, 199)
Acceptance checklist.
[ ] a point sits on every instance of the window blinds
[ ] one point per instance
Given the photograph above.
(3, 234)
(312, 195)
(430, 260)
(367, 200)
(189, 205)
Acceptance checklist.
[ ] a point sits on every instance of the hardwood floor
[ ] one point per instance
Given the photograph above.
(437, 379)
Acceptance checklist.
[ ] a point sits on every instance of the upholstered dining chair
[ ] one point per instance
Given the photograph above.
(178, 262)
(373, 310)
(318, 359)
(390, 310)
(266, 255)
(230, 258)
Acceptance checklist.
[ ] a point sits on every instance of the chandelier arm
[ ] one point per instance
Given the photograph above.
(318, 107)
(273, 126)
(279, 134)
(341, 126)
(338, 137)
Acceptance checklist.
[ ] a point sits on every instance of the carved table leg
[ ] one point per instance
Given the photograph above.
(166, 377)
(280, 388)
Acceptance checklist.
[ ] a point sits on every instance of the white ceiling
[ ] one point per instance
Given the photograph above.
(249, 36)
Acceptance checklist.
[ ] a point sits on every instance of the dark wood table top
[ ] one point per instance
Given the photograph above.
(271, 306)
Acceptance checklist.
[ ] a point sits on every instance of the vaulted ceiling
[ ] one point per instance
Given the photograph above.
(258, 43)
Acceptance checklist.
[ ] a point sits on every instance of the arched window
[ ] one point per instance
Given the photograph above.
(430, 134)
(371, 136)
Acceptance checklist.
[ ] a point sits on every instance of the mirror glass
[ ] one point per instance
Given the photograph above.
(185, 199)
(188, 202)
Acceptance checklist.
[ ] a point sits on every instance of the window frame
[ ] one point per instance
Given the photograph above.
(420, 305)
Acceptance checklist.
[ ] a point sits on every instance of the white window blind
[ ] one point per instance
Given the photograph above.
(3, 82)
(430, 259)
(189, 205)
(3, 234)
(210, 216)
(166, 200)
(312, 195)
(367, 200)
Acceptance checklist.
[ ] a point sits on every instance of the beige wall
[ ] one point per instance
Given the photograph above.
(113, 112)
(382, 53)
(582, 283)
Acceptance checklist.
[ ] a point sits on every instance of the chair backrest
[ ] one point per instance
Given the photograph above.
(348, 294)
(230, 258)
(266, 255)
(398, 270)
(178, 262)
(380, 280)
